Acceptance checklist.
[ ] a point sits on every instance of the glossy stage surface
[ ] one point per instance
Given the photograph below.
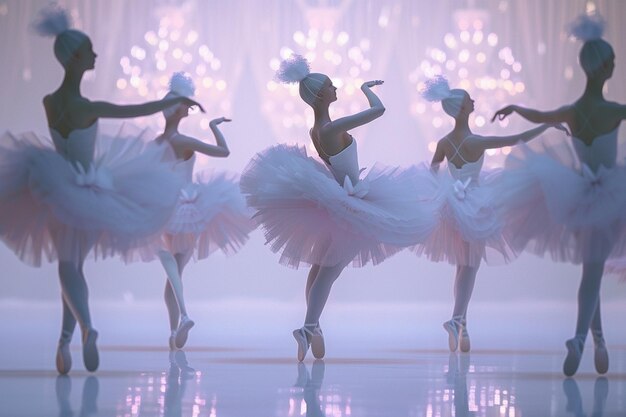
(377, 370)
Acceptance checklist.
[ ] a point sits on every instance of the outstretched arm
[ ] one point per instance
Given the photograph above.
(493, 142)
(98, 109)
(560, 115)
(350, 122)
(220, 150)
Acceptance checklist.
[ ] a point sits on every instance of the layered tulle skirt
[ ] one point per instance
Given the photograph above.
(555, 206)
(54, 209)
(211, 214)
(468, 225)
(308, 217)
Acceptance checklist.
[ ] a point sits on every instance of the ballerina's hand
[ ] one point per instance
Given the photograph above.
(502, 113)
(191, 103)
(219, 120)
(370, 84)
(561, 127)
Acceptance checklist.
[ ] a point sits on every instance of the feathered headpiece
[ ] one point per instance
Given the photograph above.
(587, 27)
(436, 89)
(293, 69)
(182, 84)
(52, 20)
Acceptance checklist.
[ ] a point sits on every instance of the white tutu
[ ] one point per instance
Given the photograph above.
(468, 225)
(56, 209)
(555, 205)
(211, 214)
(309, 217)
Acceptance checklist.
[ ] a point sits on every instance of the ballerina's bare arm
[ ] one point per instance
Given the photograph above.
(483, 143)
(91, 110)
(438, 157)
(220, 150)
(561, 115)
(344, 124)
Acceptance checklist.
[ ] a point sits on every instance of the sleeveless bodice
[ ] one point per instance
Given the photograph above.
(345, 163)
(602, 151)
(186, 166)
(468, 170)
(79, 146)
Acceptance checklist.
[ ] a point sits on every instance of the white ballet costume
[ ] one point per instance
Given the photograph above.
(468, 230)
(67, 199)
(468, 226)
(327, 215)
(211, 214)
(63, 201)
(574, 209)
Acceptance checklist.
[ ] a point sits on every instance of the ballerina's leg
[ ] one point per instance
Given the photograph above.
(174, 265)
(310, 280)
(319, 292)
(588, 303)
(76, 298)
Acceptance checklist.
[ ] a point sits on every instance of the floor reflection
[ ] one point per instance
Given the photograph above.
(574, 400)
(309, 398)
(162, 394)
(226, 384)
(467, 395)
(89, 399)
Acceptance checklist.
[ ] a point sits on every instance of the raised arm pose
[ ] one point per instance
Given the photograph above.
(211, 212)
(325, 215)
(582, 218)
(67, 200)
(468, 219)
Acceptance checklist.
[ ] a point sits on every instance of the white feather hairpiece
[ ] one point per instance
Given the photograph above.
(52, 20)
(436, 89)
(293, 69)
(182, 84)
(587, 27)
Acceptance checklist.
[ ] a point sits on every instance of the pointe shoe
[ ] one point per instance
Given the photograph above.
(464, 342)
(182, 333)
(90, 350)
(574, 354)
(601, 355)
(453, 326)
(302, 339)
(318, 347)
(63, 358)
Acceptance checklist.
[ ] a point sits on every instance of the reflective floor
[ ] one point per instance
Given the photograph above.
(381, 361)
(212, 382)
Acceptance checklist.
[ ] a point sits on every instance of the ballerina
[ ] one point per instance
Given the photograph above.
(578, 213)
(211, 213)
(326, 215)
(468, 218)
(67, 199)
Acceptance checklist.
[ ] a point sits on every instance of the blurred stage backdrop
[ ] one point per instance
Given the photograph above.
(501, 51)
